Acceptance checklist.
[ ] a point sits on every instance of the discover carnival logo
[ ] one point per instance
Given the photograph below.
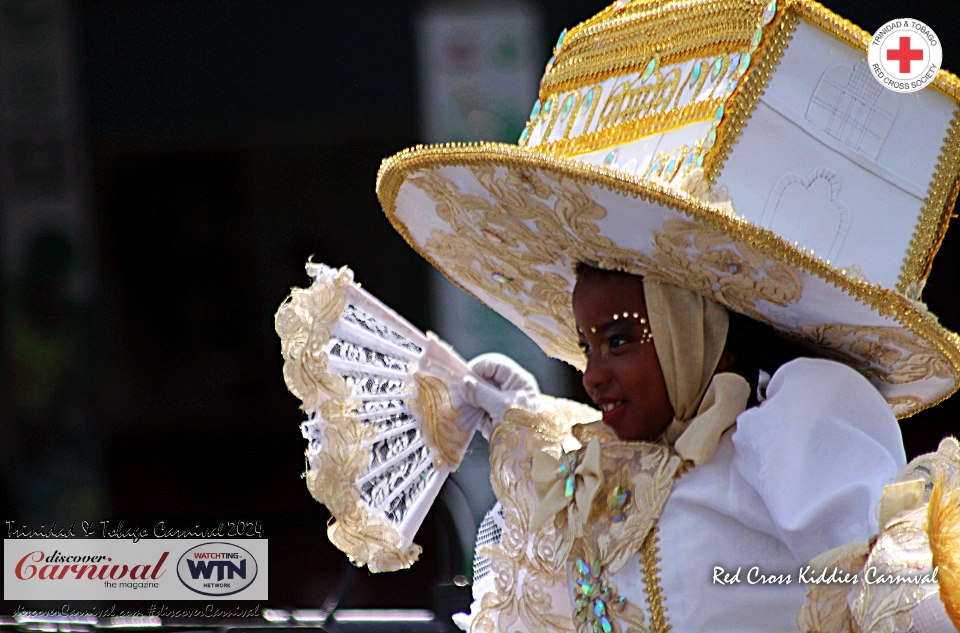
(217, 569)
(58, 566)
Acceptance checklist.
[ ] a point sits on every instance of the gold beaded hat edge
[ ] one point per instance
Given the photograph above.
(711, 145)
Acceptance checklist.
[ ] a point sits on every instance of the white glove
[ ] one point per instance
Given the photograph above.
(505, 384)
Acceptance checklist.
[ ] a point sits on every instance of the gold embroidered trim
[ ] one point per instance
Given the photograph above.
(896, 358)
(631, 36)
(935, 217)
(636, 483)
(365, 539)
(438, 422)
(692, 256)
(651, 577)
(303, 324)
(650, 560)
(737, 111)
(826, 609)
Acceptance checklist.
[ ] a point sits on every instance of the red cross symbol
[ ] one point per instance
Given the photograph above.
(905, 54)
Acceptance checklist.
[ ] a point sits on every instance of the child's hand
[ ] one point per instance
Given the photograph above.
(504, 384)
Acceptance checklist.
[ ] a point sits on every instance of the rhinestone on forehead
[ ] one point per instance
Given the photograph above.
(647, 333)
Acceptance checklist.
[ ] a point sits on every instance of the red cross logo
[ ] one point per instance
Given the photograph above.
(905, 54)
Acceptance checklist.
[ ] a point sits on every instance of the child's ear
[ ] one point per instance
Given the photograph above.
(727, 359)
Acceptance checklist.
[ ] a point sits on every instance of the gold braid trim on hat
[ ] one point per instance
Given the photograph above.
(635, 33)
(932, 226)
(903, 359)
(738, 110)
(631, 130)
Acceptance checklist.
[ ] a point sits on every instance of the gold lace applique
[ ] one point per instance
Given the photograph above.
(687, 253)
(365, 539)
(516, 219)
(902, 551)
(695, 183)
(499, 259)
(438, 422)
(903, 359)
(525, 581)
(637, 479)
(305, 323)
(904, 405)
(586, 432)
(713, 264)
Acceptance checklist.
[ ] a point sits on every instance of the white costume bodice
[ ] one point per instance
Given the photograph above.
(798, 475)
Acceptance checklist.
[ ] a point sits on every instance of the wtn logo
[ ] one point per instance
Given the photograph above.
(225, 569)
(217, 569)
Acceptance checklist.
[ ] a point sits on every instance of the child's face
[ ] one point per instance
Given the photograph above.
(623, 375)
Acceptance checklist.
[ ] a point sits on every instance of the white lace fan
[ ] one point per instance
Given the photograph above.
(384, 427)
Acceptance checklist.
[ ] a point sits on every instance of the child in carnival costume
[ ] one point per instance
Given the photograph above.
(689, 164)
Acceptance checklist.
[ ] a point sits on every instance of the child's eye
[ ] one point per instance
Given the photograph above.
(616, 340)
(584, 346)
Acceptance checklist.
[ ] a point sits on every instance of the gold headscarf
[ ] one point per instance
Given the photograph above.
(689, 332)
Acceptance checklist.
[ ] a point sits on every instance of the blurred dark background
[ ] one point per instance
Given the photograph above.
(218, 145)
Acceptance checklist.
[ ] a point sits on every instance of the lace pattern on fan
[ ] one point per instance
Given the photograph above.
(355, 353)
(382, 432)
(355, 315)
(394, 448)
(397, 510)
(362, 385)
(490, 533)
(376, 491)
(385, 423)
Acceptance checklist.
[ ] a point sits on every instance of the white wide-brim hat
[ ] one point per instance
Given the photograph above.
(741, 150)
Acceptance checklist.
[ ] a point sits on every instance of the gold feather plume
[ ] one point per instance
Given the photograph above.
(943, 524)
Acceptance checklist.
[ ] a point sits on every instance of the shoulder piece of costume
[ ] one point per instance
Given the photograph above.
(908, 577)
(656, 147)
